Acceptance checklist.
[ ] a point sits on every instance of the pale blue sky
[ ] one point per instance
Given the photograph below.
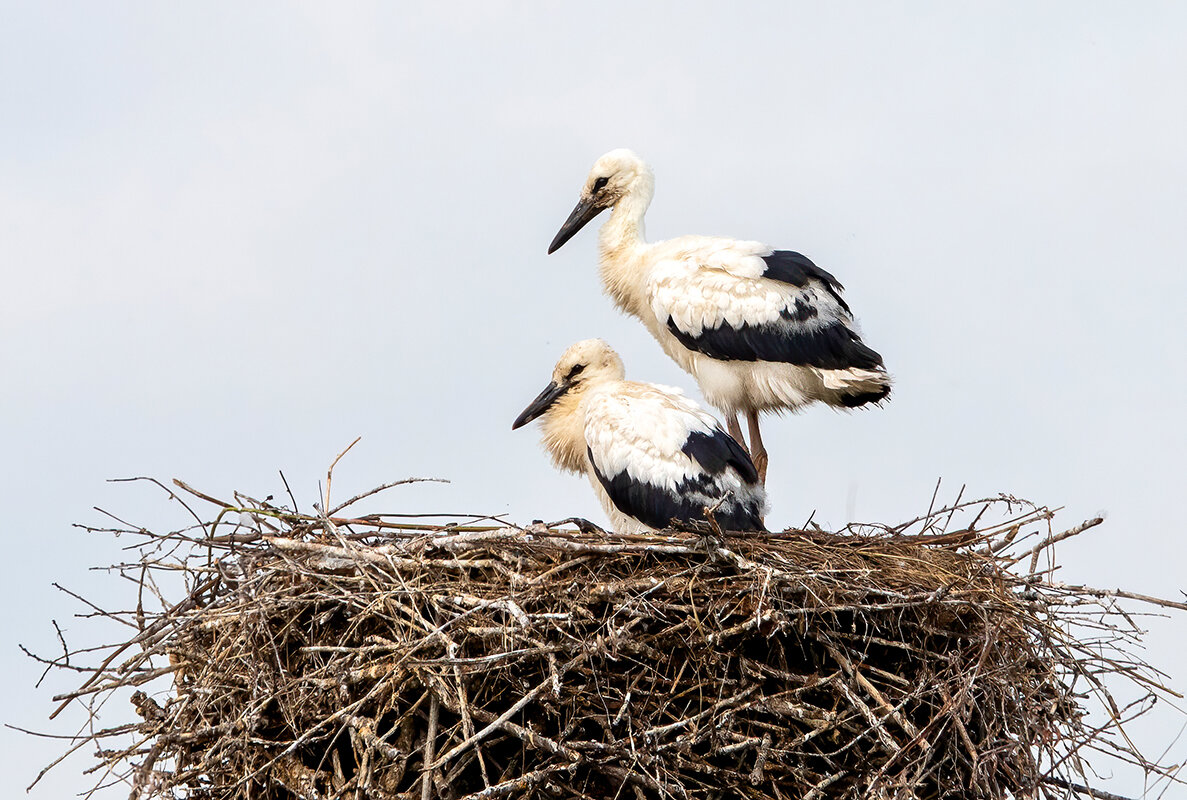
(234, 237)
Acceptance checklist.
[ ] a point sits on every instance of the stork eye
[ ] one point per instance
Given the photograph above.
(600, 184)
(574, 372)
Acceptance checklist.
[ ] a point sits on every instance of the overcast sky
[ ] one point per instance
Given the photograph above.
(236, 236)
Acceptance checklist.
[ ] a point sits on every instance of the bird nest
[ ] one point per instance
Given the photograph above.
(325, 656)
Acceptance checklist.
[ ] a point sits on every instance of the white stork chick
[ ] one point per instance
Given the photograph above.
(760, 329)
(651, 454)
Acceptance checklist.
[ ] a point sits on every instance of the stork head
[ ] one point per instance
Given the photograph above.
(618, 174)
(585, 364)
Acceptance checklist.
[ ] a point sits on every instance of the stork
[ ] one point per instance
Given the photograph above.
(761, 330)
(651, 454)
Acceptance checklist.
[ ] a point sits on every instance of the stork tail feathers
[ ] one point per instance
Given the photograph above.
(857, 387)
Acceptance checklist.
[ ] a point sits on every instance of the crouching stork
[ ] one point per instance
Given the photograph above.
(761, 330)
(653, 456)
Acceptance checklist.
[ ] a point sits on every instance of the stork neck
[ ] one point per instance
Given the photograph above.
(564, 433)
(621, 244)
(624, 230)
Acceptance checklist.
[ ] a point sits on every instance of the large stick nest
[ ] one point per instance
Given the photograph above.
(317, 656)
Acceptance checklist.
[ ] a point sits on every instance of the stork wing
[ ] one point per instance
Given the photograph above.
(661, 458)
(735, 305)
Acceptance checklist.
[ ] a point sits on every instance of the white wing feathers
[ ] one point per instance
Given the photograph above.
(721, 283)
(640, 428)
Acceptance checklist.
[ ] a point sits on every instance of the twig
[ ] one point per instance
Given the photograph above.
(517, 784)
(818, 789)
(1037, 550)
(330, 477)
(430, 741)
(497, 723)
(376, 490)
(1100, 794)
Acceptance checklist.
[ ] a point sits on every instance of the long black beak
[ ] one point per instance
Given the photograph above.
(583, 213)
(541, 404)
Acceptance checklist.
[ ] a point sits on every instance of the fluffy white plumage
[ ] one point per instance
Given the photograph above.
(651, 454)
(760, 329)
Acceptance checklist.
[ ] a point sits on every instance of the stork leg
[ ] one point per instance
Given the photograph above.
(758, 453)
(735, 430)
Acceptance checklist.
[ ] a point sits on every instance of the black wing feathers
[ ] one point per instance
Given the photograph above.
(829, 347)
(788, 266)
(717, 450)
(658, 508)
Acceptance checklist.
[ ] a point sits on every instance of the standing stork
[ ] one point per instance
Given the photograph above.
(760, 329)
(651, 454)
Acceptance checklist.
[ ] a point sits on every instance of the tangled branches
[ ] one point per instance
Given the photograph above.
(323, 656)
